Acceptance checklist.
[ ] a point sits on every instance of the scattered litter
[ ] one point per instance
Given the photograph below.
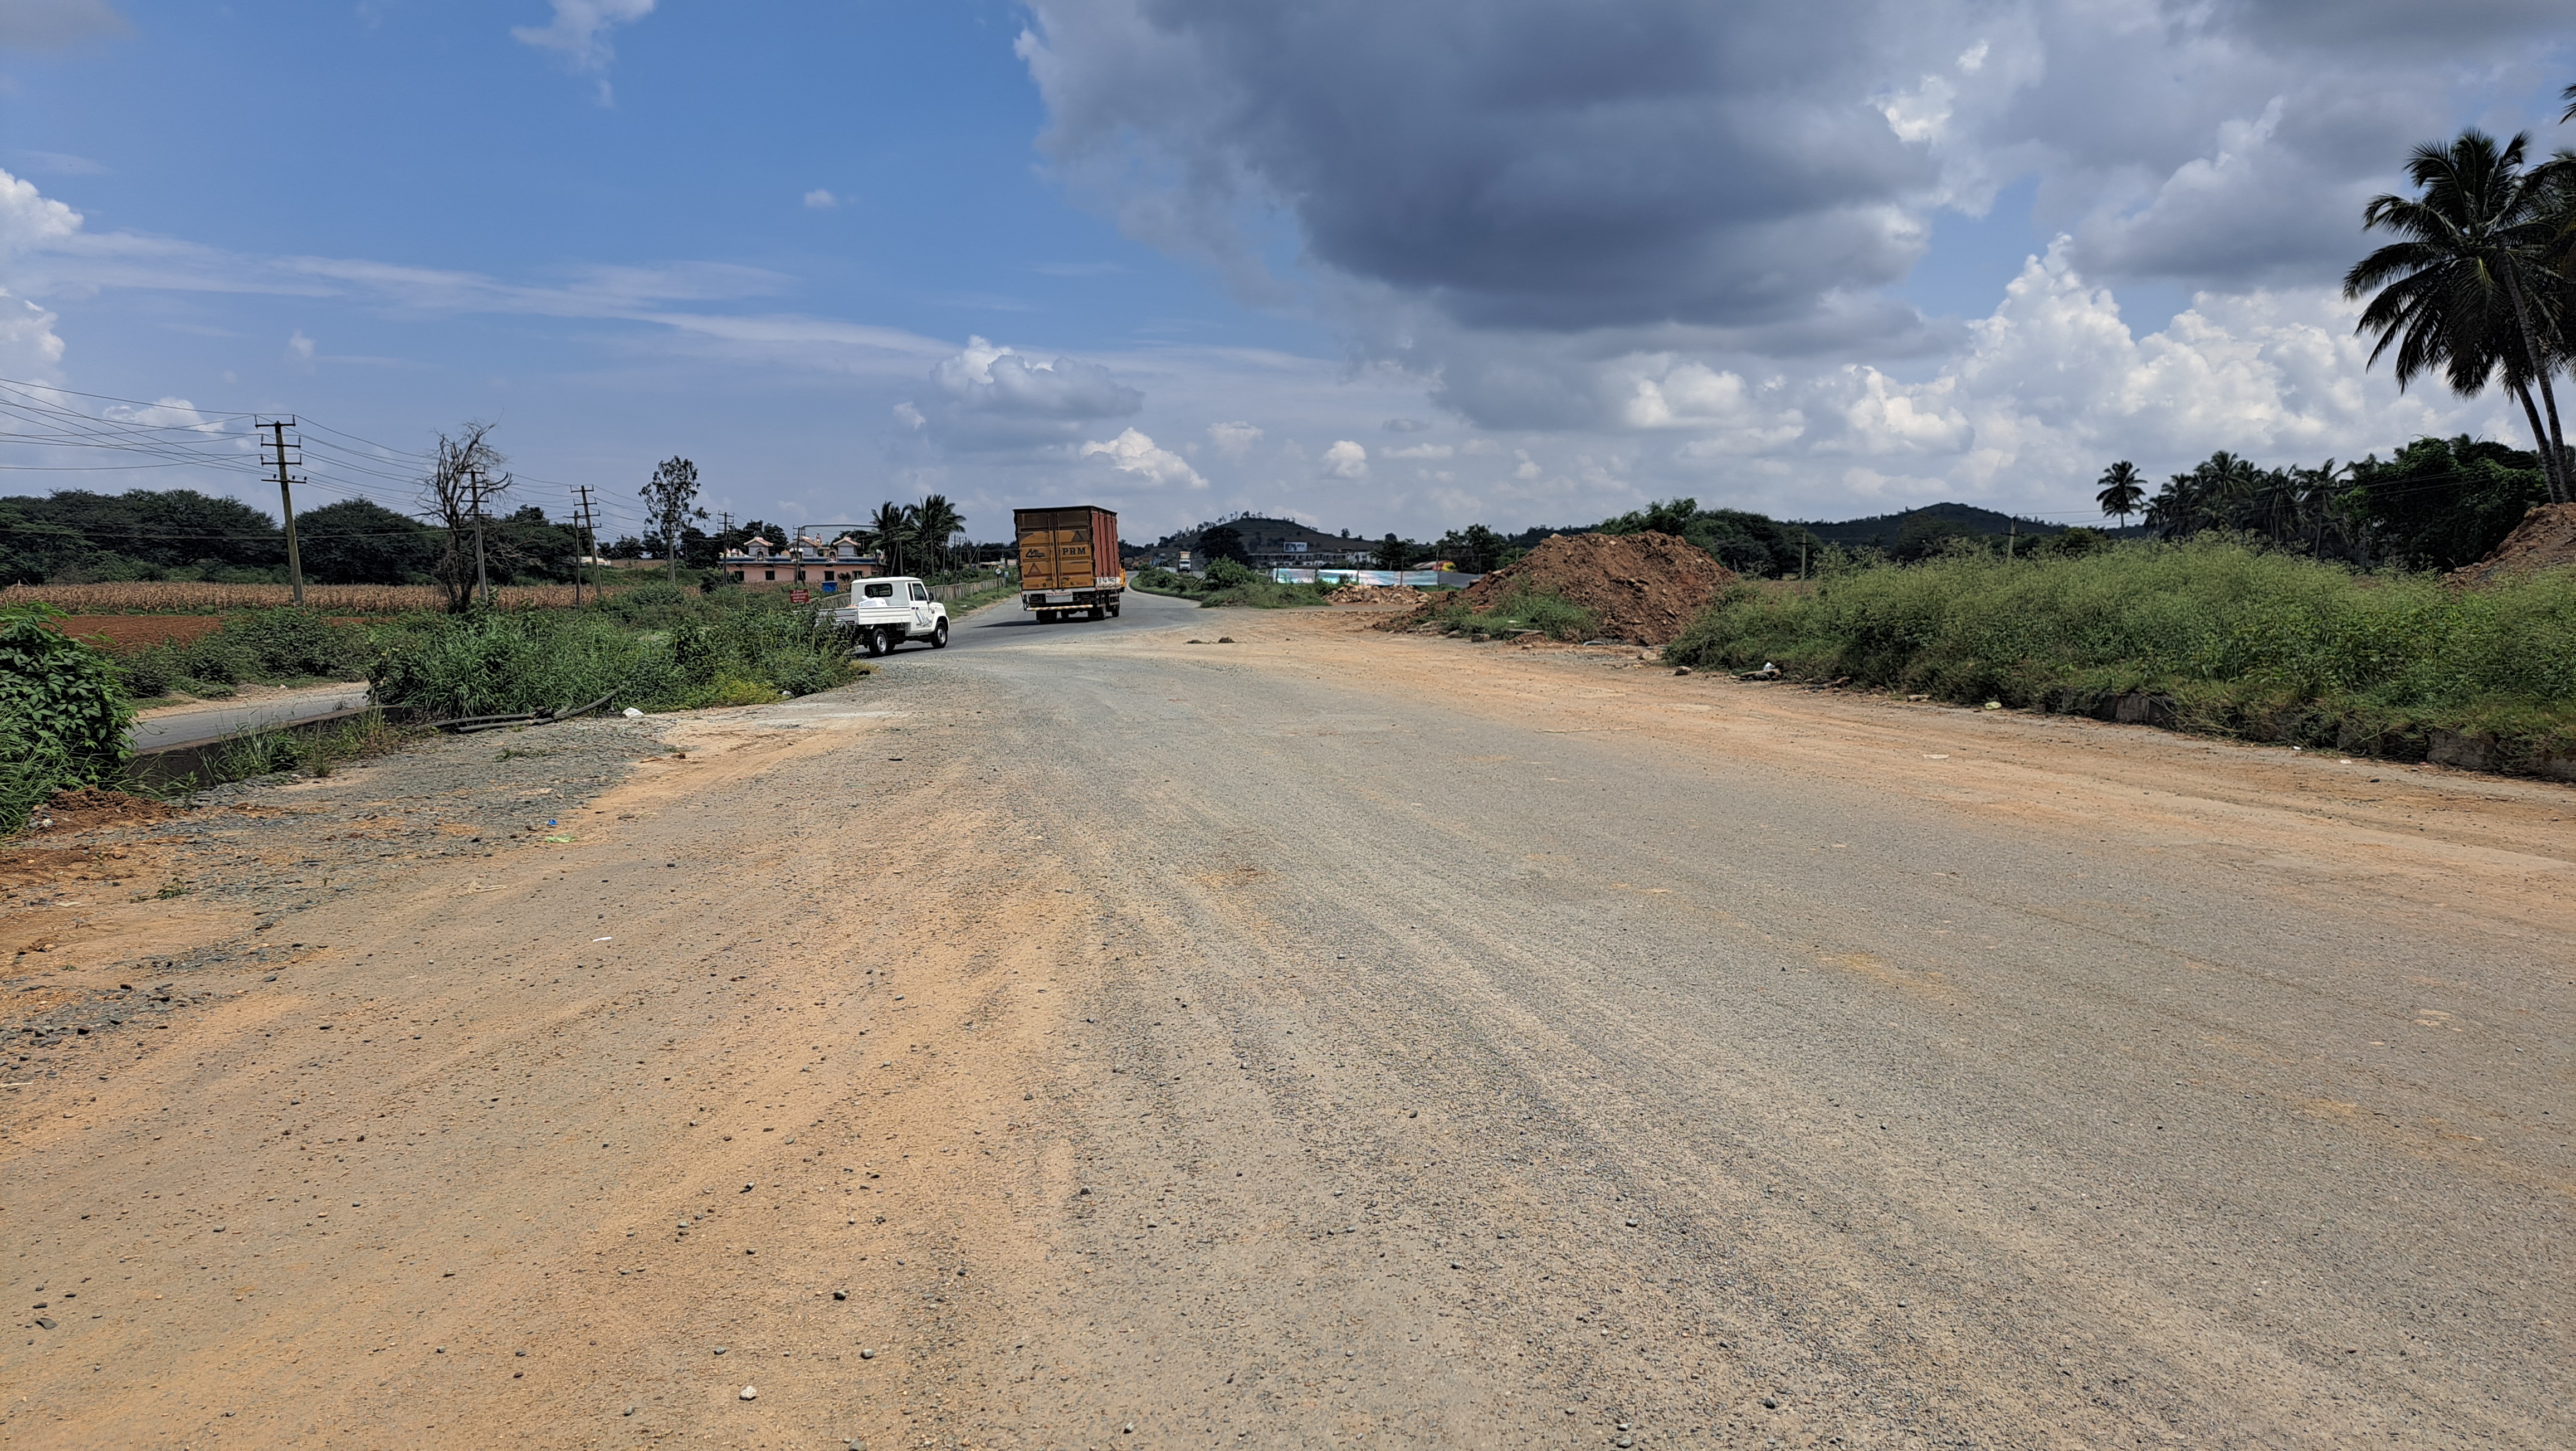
(603, 939)
(631, 713)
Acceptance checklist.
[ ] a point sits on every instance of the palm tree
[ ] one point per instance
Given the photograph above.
(938, 521)
(2467, 293)
(890, 531)
(2123, 492)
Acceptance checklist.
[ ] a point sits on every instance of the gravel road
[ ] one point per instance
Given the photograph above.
(1080, 1037)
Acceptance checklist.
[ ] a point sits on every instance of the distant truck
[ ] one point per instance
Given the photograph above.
(888, 612)
(1069, 562)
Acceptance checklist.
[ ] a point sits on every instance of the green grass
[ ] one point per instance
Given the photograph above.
(1521, 611)
(267, 645)
(654, 648)
(1229, 585)
(2242, 641)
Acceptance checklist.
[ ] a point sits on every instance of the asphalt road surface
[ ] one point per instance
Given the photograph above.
(1333, 1039)
(195, 723)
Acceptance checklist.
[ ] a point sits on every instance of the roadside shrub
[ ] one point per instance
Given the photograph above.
(2241, 639)
(677, 651)
(262, 645)
(63, 713)
(506, 661)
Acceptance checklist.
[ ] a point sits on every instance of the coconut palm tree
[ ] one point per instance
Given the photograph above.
(2468, 293)
(937, 521)
(2123, 491)
(890, 530)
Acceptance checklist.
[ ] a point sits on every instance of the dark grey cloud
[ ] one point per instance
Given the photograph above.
(1526, 163)
(1565, 166)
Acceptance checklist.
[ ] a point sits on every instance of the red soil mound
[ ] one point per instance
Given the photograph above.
(2545, 539)
(1640, 587)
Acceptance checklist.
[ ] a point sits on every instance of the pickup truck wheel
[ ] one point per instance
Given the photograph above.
(939, 636)
(873, 643)
(887, 638)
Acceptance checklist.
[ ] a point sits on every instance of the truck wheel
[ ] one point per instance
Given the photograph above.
(887, 639)
(939, 636)
(873, 642)
(1113, 612)
(1098, 613)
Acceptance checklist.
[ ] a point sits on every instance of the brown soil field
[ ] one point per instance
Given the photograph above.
(126, 634)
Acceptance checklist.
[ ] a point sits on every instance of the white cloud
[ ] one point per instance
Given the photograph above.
(580, 31)
(299, 350)
(821, 200)
(1134, 453)
(985, 378)
(1234, 440)
(30, 220)
(1346, 460)
(1424, 450)
(30, 349)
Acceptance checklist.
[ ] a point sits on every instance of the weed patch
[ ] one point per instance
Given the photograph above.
(1516, 613)
(2232, 639)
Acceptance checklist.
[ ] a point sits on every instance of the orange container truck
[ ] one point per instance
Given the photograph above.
(1069, 562)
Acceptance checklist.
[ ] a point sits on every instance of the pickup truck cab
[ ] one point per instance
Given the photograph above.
(891, 611)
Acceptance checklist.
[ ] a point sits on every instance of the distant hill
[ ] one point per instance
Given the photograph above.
(1894, 531)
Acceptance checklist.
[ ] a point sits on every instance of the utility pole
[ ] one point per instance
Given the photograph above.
(276, 443)
(482, 582)
(2012, 533)
(724, 520)
(589, 549)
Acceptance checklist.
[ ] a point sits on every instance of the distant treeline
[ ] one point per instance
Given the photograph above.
(77, 537)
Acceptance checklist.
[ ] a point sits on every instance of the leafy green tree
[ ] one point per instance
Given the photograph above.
(1394, 553)
(153, 531)
(357, 541)
(1221, 541)
(2468, 293)
(1745, 542)
(2444, 503)
(670, 501)
(2123, 492)
(526, 547)
(33, 551)
(1474, 549)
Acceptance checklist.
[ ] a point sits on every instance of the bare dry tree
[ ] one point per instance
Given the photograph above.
(461, 477)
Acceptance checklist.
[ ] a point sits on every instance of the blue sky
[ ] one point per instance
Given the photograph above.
(1516, 262)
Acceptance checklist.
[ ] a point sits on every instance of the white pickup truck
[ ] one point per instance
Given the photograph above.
(891, 611)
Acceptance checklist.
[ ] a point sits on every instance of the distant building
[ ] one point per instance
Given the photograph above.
(1267, 544)
(807, 560)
